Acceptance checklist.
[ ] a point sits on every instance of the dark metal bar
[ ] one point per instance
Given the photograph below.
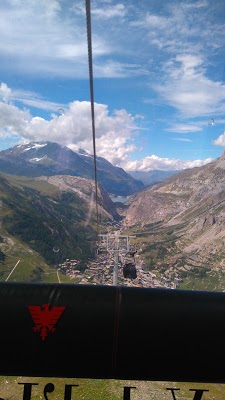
(150, 334)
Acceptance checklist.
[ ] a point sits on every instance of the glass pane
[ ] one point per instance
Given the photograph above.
(158, 80)
(148, 210)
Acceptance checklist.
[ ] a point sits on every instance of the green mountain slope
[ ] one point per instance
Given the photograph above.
(42, 225)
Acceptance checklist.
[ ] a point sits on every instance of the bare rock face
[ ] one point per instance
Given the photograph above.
(192, 205)
(180, 197)
(85, 189)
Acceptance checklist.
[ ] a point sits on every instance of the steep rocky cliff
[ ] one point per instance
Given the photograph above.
(85, 189)
(187, 193)
(182, 219)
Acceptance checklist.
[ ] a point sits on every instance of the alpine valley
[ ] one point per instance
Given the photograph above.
(48, 208)
(44, 222)
(180, 223)
(48, 216)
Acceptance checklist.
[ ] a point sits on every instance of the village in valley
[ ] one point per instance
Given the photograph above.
(100, 272)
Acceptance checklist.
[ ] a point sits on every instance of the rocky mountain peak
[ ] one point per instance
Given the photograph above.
(48, 159)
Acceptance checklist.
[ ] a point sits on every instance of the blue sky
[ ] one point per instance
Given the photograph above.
(159, 79)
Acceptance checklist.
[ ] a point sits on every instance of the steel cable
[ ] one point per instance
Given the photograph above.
(91, 80)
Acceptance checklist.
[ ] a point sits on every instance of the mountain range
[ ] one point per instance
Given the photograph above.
(46, 220)
(176, 197)
(183, 218)
(46, 158)
(153, 176)
(179, 222)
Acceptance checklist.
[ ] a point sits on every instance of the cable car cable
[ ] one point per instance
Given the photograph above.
(90, 65)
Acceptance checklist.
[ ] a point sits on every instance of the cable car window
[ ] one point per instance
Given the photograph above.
(112, 124)
(112, 162)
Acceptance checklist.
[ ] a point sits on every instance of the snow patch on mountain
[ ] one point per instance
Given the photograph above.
(35, 146)
(37, 159)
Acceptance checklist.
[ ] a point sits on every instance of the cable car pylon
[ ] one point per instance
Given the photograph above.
(120, 247)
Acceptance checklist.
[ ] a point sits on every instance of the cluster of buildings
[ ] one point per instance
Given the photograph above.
(100, 272)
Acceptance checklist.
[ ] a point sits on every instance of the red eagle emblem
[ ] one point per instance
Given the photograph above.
(45, 319)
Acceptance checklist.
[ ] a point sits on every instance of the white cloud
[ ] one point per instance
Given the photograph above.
(27, 98)
(13, 121)
(184, 128)
(196, 4)
(117, 10)
(48, 38)
(219, 121)
(41, 104)
(189, 90)
(186, 40)
(42, 37)
(115, 69)
(114, 132)
(182, 139)
(220, 141)
(153, 162)
(5, 92)
(101, 9)
(189, 25)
